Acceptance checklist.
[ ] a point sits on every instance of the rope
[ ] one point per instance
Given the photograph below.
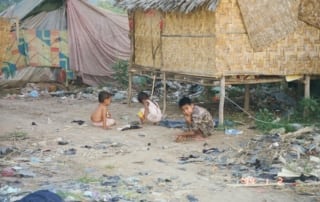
(250, 116)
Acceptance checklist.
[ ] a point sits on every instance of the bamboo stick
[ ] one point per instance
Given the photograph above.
(222, 97)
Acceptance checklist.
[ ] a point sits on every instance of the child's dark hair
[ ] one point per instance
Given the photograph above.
(184, 101)
(104, 95)
(142, 96)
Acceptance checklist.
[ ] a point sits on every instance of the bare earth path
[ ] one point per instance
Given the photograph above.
(148, 156)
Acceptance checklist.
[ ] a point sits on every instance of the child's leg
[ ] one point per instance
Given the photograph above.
(99, 124)
(110, 122)
(190, 135)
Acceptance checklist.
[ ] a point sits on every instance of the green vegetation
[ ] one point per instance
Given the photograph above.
(308, 110)
(307, 113)
(121, 72)
(87, 180)
(15, 135)
(107, 5)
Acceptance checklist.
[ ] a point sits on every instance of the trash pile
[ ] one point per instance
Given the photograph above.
(278, 159)
(17, 167)
(264, 97)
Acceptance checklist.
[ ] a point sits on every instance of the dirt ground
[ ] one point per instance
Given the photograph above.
(149, 154)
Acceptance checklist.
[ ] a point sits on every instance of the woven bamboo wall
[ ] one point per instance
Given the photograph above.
(212, 44)
(267, 21)
(147, 38)
(4, 39)
(188, 43)
(298, 53)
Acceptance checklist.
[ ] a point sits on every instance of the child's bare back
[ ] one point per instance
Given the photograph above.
(99, 113)
(101, 116)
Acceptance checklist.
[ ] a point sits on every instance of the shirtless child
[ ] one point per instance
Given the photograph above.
(101, 116)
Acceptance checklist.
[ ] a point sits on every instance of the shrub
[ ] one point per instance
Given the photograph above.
(121, 72)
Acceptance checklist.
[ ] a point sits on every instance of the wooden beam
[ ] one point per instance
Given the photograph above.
(222, 97)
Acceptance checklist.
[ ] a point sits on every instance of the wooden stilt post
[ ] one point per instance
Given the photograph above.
(307, 86)
(222, 97)
(164, 80)
(153, 84)
(129, 88)
(247, 97)
(306, 93)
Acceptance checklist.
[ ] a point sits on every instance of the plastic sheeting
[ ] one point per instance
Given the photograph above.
(32, 75)
(53, 20)
(21, 9)
(97, 39)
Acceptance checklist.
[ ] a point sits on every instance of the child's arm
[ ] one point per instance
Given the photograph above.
(188, 119)
(146, 109)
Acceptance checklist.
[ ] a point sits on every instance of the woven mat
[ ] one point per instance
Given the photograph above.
(267, 21)
(309, 12)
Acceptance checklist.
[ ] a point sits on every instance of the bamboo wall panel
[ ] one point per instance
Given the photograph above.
(267, 21)
(187, 55)
(297, 53)
(212, 44)
(200, 22)
(147, 38)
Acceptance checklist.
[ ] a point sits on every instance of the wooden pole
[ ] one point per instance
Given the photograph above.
(222, 97)
(306, 93)
(164, 92)
(129, 88)
(307, 86)
(153, 84)
(247, 97)
(132, 44)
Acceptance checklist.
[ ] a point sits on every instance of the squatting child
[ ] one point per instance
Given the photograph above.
(101, 115)
(198, 119)
(151, 111)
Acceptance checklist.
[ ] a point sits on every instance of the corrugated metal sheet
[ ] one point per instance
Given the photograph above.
(21, 9)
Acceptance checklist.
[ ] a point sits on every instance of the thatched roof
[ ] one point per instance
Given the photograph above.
(184, 6)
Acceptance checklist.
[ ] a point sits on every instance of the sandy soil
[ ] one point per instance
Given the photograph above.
(149, 153)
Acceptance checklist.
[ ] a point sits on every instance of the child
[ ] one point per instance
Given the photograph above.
(101, 116)
(198, 119)
(151, 111)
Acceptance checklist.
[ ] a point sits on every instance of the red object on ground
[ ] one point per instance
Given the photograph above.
(7, 172)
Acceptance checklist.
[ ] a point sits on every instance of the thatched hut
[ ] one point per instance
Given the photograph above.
(236, 41)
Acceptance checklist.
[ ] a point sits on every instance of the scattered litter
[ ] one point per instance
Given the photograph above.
(34, 94)
(8, 172)
(234, 132)
(79, 122)
(5, 190)
(5, 151)
(192, 198)
(128, 127)
(71, 151)
(63, 142)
